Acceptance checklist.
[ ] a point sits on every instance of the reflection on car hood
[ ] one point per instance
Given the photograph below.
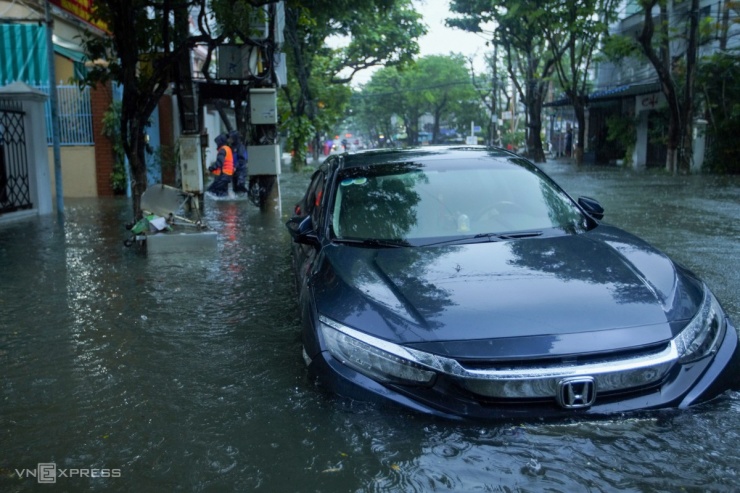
(594, 290)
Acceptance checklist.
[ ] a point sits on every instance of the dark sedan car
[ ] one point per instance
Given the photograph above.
(464, 282)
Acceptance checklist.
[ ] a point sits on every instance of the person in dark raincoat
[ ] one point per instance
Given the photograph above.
(223, 168)
(239, 180)
(568, 140)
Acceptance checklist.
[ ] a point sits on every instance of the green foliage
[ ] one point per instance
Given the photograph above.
(331, 100)
(112, 130)
(236, 18)
(378, 101)
(617, 47)
(146, 45)
(717, 77)
(660, 119)
(621, 130)
(524, 44)
(384, 35)
(512, 138)
(326, 108)
(374, 32)
(436, 84)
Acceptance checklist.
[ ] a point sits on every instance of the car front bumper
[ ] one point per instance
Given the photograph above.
(684, 386)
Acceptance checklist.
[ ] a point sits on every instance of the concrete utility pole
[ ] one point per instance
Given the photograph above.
(54, 111)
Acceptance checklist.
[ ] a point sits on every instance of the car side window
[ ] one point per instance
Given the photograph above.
(316, 196)
(312, 198)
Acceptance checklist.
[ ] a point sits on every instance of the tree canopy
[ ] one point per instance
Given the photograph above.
(375, 32)
(574, 30)
(437, 85)
(528, 60)
(149, 43)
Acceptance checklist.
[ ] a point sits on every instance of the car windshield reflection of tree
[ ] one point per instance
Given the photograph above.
(406, 203)
(376, 207)
(411, 271)
(587, 264)
(385, 207)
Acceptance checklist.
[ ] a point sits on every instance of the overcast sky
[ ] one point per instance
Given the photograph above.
(442, 40)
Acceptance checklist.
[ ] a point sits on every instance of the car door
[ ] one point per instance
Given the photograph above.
(310, 205)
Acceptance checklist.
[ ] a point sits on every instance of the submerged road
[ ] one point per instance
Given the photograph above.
(128, 372)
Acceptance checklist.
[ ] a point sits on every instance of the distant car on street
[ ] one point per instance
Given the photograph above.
(462, 281)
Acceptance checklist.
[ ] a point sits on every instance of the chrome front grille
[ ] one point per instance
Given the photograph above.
(537, 382)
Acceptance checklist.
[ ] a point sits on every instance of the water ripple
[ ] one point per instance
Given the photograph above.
(185, 370)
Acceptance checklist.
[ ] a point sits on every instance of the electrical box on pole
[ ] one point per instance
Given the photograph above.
(263, 151)
(264, 159)
(263, 104)
(191, 164)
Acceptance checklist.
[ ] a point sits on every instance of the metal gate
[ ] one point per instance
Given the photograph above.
(15, 189)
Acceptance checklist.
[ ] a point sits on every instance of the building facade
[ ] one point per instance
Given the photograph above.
(85, 153)
(630, 89)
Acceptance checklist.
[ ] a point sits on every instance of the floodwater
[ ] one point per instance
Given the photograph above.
(184, 373)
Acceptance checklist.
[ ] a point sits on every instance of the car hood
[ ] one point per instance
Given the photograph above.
(593, 292)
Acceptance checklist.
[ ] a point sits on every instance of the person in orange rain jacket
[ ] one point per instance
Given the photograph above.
(223, 168)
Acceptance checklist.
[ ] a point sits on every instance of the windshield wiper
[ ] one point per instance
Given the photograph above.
(509, 236)
(488, 236)
(373, 242)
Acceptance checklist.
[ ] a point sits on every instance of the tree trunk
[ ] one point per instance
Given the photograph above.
(535, 98)
(137, 161)
(534, 141)
(580, 145)
(297, 159)
(305, 106)
(139, 185)
(662, 65)
(686, 156)
(435, 127)
(412, 129)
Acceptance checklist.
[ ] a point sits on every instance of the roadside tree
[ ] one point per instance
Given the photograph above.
(439, 85)
(377, 103)
(670, 44)
(574, 30)
(446, 89)
(529, 62)
(149, 42)
(378, 32)
(662, 55)
(717, 78)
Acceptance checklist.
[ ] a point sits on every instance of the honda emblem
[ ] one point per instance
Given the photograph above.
(576, 392)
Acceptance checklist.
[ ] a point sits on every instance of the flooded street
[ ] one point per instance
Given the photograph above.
(181, 372)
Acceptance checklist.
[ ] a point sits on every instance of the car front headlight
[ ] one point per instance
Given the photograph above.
(377, 358)
(703, 335)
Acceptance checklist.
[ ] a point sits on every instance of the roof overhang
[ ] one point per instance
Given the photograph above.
(619, 92)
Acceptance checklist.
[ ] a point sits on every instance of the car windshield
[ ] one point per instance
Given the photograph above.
(418, 202)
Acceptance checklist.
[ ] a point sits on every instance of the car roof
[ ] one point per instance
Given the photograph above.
(363, 159)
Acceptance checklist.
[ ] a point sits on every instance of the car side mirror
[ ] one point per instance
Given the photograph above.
(302, 231)
(592, 207)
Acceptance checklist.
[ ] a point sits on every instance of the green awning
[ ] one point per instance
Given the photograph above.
(23, 54)
(74, 55)
(77, 57)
